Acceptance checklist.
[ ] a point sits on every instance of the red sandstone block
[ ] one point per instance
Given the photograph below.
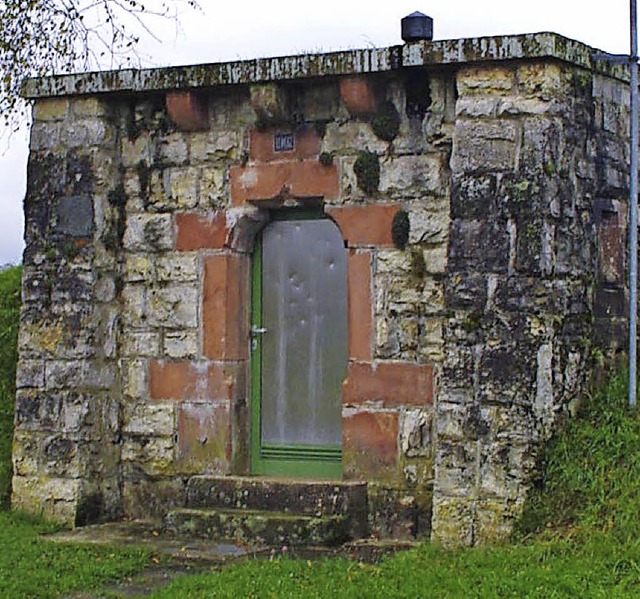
(367, 225)
(359, 296)
(359, 95)
(392, 383)
(261, 145)
(224, 304)
(184, 380)
(370, 444)
(200, 232)
(187, 110)
(297, 179)
(204, 437)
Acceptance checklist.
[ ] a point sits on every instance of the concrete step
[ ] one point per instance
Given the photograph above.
(258, 527)
(311, 498)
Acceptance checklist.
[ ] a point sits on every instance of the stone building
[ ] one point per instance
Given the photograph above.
(386, 269)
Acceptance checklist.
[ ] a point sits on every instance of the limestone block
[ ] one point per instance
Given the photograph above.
(412, 176)
(484, 145)
(69, 374)
(105, 288)
(178, 268)
(86, 132)
(474, 107)
(53, 498)
(175, 306)
(415, 433)
(50, 109)
(150, 419)
(452, 520)
(456, 468)
(494, 519)
(59, 456)
(431, 339)
(432, 297)
(24, 453)
(152, 455)
(140, 149)
(45, 135)
(214, 187)
(435, 259)
(213, 146)
(180, 189)
(140, 343)
(108, 319)
(181, 344)
(543, 80)
(450, 421)
(138, 268)
(351, 137)
(30, 373)
(134, 305)
(136, 379)
(427, 226)
(392, 262)
(514, 106)
(148, 233)
(485, 80)
(87, 107)
(173, 150)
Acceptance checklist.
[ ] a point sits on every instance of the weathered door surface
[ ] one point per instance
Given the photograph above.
(299, 348)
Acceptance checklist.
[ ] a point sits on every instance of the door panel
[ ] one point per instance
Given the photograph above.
(302, 345)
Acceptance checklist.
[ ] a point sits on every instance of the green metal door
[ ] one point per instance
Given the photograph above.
(299, 348)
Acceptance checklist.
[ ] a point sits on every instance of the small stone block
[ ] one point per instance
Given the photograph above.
(204, 437)
(365, 226)
(359, 297)
(74, 216)
(359, 96)
(198, 232)
(392, 383)
(276, 144)
(370, 444)
(293, 179)
(188, 110)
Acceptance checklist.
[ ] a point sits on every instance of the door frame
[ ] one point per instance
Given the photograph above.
(291, 461)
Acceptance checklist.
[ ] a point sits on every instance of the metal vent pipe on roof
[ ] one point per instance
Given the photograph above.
(416, 27)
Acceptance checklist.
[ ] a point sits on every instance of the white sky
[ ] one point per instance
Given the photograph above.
(249, 28)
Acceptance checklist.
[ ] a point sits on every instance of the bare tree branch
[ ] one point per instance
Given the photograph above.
(42, 37)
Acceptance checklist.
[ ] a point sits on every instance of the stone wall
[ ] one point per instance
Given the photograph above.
(538, 151)
(166, 246)
(480, 191)
(68, 405)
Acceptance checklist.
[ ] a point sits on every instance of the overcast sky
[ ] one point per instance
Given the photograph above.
(248, 29)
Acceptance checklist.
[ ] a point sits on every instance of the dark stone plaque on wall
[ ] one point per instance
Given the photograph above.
(74, 216)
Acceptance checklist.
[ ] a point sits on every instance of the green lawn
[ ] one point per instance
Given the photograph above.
(579, 537)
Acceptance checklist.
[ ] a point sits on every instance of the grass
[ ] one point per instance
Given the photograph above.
(579, 536)
(33, 567)
(9, 309)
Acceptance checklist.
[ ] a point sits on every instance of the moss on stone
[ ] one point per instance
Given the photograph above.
(367, 171)
(386, 122)
(400, 227)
